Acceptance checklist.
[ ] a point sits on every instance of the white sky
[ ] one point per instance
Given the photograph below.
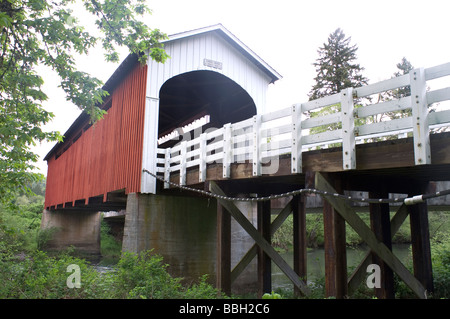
(286, 34)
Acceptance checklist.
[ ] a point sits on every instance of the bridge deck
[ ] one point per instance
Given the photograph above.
(389, 162)
(398, 135)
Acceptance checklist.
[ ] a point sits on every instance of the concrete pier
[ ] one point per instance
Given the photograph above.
(77, 228)
(183, 230)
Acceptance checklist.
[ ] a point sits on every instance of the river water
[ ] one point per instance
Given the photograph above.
(316, 264)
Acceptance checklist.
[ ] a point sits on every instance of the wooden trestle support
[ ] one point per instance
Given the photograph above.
(337, 213)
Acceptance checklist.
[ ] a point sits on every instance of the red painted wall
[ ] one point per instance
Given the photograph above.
(108, 155)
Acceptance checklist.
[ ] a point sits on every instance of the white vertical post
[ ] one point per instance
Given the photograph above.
(183, 152)
(150, 145)
(256, 158)
(348, 130)
(421, 132)
(202, 165)
(167, 167)
(296, 139)
(227, 150)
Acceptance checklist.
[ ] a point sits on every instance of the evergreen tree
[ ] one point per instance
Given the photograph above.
(404, 67)
(336, 68)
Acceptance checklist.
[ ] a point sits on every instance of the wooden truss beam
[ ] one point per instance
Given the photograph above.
(251, 253)
(350, 216)
(360, 272)
(223, 281)
(259, 239)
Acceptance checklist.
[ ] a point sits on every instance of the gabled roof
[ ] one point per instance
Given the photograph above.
(131, 60)
(235, 42)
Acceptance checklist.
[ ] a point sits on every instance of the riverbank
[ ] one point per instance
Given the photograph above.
(439, 224)
(27, 272)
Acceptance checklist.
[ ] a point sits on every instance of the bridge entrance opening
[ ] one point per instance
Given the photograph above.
(204, 99)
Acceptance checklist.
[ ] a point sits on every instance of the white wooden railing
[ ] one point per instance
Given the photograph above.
(263, 138)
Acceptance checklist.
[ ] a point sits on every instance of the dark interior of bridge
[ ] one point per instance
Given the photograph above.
(193, 95)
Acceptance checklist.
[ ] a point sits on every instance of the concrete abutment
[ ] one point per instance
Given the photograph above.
(77, 228)
(183, 230)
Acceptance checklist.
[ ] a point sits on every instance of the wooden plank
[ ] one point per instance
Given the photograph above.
(227, 150)
(380, 225)
(242, 124)
(436, 118)
(335, 252)
(382, 86)
(324, 101)
(183, 163)
(276, 115)
(384, 107)
(421, 132)
(321, 120)
(299, 240)
(328, 136)
(382, 155)
(329, 250)
(167, 168)
(223, 266)
(348, 130)
(387, 127)
(437, 71)
(264, 262)
(251, 253)
(214, 133)
(438, 95)
(256, 157)
(253, 232)
(360, 272)
(276, 130)
(296, 140)
(202, 165)
(420, 241)
(367, 235)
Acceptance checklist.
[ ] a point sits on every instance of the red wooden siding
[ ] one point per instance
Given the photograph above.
(108, 155)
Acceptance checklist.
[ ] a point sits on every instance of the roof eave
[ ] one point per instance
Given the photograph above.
(233, 40)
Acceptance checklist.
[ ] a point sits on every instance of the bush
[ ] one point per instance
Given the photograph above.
(143, 276)
(109, 246)
(440, 256)
(38, 276)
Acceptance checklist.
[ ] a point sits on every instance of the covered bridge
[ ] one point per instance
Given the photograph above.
(211, 77)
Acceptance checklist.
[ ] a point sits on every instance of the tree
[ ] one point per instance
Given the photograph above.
(336, 68)
(37, 32)
(404, 67)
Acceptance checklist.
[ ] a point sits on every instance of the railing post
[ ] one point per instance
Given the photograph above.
(183, 151)
(167, 167)
(348, 130)
(227, 150)
(256, 158)
(296, 140)
(202, 158)
(421, 132)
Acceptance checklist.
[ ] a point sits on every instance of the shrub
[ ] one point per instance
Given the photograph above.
(143, 276)
(440, 256)
(38, 276)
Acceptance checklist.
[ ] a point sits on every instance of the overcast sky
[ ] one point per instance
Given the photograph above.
(287, 34)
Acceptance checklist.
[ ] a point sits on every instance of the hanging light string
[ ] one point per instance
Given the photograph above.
(406, 200)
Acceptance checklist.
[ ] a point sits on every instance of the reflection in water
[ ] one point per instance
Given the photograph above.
(316, 264)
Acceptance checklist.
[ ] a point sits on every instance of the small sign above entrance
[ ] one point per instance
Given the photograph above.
(212, 64)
